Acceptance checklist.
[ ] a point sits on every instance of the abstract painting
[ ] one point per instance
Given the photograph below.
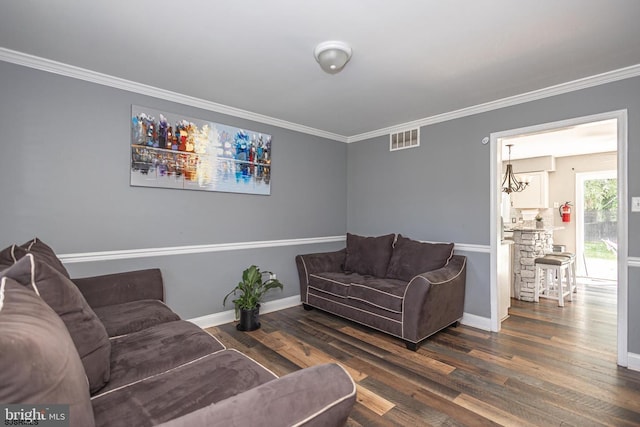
(171, 151)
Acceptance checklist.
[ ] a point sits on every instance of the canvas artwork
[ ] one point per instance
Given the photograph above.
(171, 151)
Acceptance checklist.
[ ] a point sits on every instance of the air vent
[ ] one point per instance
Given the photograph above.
(404, 139)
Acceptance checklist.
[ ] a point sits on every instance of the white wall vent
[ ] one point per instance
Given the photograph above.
(404, 139)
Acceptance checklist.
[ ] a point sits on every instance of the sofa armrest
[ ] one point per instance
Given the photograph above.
(321, 395)
(434, 300)
(318, 263)
(118, 288)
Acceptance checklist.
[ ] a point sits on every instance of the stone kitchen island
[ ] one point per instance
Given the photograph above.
(529, 244)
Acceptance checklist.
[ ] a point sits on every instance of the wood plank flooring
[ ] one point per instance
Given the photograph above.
(548, 366)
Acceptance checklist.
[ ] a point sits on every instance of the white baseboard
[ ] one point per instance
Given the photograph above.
(475, 321)
(633, 361)
(228, 316)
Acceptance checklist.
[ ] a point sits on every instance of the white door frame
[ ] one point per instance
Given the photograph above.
(494, 226)
(581, 177)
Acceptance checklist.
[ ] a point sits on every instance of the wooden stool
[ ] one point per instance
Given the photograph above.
(572, 257)
(553, 264)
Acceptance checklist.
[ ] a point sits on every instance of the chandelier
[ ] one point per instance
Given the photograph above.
(510, 183)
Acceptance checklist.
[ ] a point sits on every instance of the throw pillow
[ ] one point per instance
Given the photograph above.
(411, 257)
(40, 364)
(45, 253)
(87, 332)
(11, 254)
(368, 255)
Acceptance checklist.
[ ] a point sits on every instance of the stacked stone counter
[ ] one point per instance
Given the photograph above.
(529, 244)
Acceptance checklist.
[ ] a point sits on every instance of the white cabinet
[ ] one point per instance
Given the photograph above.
(505, 274)
(536, 195)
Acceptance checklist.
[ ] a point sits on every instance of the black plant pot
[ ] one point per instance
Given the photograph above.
(249, 319)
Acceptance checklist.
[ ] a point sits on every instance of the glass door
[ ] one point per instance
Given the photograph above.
(597, 224)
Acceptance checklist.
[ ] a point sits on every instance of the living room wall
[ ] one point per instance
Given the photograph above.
(440, 191)
(65, 178)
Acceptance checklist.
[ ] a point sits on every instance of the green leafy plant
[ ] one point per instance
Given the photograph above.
(538, 217)
(251, 289)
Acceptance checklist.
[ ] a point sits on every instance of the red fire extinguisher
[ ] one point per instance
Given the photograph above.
(565, 212)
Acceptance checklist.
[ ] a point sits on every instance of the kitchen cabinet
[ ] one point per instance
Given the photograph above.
(536, 195)
(505, 277)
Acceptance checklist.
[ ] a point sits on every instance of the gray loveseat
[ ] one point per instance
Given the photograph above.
(400, 286)
(118, 356)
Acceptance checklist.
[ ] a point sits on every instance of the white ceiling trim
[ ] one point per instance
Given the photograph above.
(63, 69)
(67, 70)
(586, 82)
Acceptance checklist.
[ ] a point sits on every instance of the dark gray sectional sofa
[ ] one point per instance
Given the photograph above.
(110, 348)
(400, 286)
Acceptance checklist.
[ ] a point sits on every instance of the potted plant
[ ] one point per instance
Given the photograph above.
(539, 221)
(249, 293)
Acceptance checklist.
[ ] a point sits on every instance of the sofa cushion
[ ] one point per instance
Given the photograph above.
(156, 349)
(411, 257)
(301, 398)
(86, 330)
(333, 283)
(39, 361)
(179, 391)
(368, 255)
(384, 293)
(134, 316)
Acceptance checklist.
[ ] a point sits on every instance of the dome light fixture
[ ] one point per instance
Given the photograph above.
(332, 55)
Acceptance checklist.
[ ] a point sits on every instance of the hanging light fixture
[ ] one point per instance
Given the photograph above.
(510, 183)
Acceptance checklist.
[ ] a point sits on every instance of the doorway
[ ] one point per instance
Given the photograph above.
(496, 156)
(596, 225)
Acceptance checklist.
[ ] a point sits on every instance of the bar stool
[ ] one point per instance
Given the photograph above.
(552, 264)
(572, 258)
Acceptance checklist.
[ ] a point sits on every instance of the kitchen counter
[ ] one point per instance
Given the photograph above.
(528, 228)
(529, 244)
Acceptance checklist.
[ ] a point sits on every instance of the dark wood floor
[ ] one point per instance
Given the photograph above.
(547, 367)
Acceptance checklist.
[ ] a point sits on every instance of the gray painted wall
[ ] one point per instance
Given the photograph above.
(440, 191)
(64, 177)
(195, 284)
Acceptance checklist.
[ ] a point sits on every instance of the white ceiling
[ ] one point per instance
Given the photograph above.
(588, 138)
(411, 59)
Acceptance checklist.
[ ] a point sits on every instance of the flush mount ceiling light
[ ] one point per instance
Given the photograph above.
(510, 183)
(332, 55)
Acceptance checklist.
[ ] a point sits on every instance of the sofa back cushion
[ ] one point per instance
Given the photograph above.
(368, 255)
(40, 364)
(411, 257)
(87, 332)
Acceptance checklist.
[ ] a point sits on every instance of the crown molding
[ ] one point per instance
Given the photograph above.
(559, 89)
(72, 71)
